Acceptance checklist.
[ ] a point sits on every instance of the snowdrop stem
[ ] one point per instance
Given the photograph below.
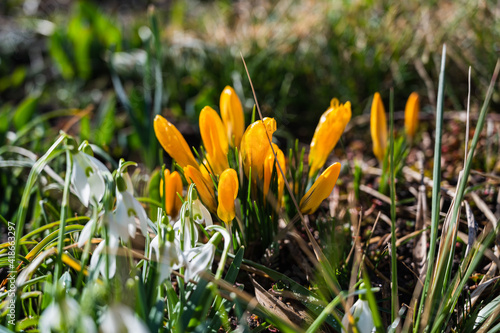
(106, 254)
(86, 249)
(221, 232)
(64, 212)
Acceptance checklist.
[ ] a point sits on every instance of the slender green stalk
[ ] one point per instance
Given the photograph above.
(394, 255)
(35, 171)
(64, 213)
(436, 188)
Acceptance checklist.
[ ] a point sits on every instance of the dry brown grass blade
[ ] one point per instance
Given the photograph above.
(472, 226)
(420, 248)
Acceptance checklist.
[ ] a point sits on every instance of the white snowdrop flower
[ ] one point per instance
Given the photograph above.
(199, 259)
(362, 316)
(169, 257)
(87, 178)
(201, 214)
(64, 315)
(96, 262)
(128, 209)
(120, 319)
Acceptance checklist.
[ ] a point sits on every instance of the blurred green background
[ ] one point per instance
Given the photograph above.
(103, 70)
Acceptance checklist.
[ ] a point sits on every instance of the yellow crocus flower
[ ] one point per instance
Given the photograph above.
(228, 191)
(255, 145)
(204, 188)
(411, 115)
(320, 190)
(330, 127)
(173, 185)
(173, 142)
(232, 116)
(214, 139)
(269, 163)
(378, 127)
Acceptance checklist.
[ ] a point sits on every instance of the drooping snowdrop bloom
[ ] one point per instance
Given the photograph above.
(96, 262)
(169, 256)
(127, 210)
(88, 178)
(65, 315)
(120, 319)
(198, 259)
(362, 315)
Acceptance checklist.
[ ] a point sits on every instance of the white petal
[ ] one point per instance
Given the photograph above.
(142, 216)
(201, 213)
(80, 182)
(85, 233)
(203, 258)
(119, 317)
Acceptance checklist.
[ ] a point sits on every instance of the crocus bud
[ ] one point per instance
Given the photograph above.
(204, 188)
(378, 127)
(228, 191)
(255, 145)
(269, 163)
(411, 115)
(214, 139)
(173, 142)
(330, 127)
(232, 116)
(320, 190)
(173, 186)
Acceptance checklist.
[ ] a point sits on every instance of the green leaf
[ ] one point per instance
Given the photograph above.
(25, 111)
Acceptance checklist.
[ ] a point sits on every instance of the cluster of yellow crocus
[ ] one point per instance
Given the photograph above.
(259, 157)
(378, 122)
(217, 134)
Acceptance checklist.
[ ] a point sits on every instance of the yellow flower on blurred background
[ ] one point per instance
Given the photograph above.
(228, 191)
(173, 185)
(214, 139)
(232, 116)
(378, 127)
(255, 145)
(173, 142)
(411, 115)
(320, 190)
(204, 188)
(269, 163)
(328, 131)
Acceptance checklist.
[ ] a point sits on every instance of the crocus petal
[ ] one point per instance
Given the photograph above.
(411, 115)
(204, 188)
(173, 142)
(378, 127)
(173, 186)
(269, 164)
(228, 191)
(214, 139)
(328, 131)
(255, 146)
(231, 112)
(320, 190)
